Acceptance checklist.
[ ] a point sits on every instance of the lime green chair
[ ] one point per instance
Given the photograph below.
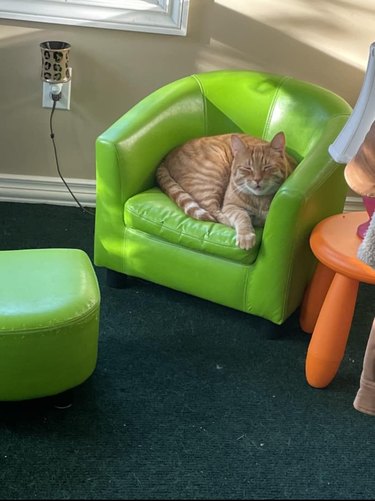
(140, 232)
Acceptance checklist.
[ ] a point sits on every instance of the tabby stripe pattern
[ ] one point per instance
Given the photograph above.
(182, 198)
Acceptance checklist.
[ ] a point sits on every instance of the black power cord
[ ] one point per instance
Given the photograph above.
(55, 98)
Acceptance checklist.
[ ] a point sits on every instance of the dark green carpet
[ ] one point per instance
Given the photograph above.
(189, 400)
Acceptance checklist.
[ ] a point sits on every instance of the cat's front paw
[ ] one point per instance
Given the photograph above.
(246, 241)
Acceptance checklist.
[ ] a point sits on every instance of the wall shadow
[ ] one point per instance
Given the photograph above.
(256, 45)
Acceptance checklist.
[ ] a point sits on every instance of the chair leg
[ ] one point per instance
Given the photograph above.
(62, 400)
(274, 331)
(116, 280)
(314, 297)
(330, 336)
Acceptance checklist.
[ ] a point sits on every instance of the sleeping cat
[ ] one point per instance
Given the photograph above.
(228, 178)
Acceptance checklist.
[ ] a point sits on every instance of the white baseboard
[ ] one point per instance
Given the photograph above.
(353, 203)
(51, 190)
(46, 190)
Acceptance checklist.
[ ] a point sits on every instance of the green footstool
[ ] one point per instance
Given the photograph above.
(49, 321)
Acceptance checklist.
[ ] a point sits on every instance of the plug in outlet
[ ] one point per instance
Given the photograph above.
(63, 103)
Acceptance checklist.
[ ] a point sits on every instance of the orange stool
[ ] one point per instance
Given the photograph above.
(329, 302)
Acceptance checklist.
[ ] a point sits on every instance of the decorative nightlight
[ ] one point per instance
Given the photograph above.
(55, 65)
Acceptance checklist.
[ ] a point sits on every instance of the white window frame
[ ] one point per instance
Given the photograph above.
(152, 16)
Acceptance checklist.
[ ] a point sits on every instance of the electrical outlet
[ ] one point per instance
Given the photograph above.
(63, 103)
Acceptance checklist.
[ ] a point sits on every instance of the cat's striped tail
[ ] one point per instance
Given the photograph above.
(181, 197)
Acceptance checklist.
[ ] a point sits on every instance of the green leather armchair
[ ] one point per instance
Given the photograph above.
(140, 232)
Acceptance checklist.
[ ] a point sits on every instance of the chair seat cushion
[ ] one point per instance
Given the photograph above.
(153, 212)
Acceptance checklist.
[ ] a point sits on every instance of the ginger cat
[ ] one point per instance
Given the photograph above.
(228, 178)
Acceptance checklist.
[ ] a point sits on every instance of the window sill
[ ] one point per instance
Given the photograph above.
(158, 16)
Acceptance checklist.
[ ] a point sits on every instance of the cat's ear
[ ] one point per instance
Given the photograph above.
(278, 142)
(238, 146)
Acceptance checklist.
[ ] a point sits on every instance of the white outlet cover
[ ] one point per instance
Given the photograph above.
(63, 103)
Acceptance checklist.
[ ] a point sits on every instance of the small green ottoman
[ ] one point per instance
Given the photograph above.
(49, 321)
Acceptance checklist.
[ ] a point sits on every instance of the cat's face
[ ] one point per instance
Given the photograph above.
(258, 169)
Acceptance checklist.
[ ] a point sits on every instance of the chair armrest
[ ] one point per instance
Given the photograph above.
(315, 190)
(135, 144)
(128, 153)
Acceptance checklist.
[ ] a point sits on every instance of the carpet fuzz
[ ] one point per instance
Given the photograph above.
(189, 400)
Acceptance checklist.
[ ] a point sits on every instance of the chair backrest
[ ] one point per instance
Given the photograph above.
(217, 102)
(263, 104)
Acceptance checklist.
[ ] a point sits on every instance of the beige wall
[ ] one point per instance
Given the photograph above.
(323, 41)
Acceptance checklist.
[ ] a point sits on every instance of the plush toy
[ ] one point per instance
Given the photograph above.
(366, 251)
(360, 176)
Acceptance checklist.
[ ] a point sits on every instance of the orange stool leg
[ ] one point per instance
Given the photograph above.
(330, 336)
(314, 297)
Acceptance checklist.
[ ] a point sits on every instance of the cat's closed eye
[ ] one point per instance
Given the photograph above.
(247, 168)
